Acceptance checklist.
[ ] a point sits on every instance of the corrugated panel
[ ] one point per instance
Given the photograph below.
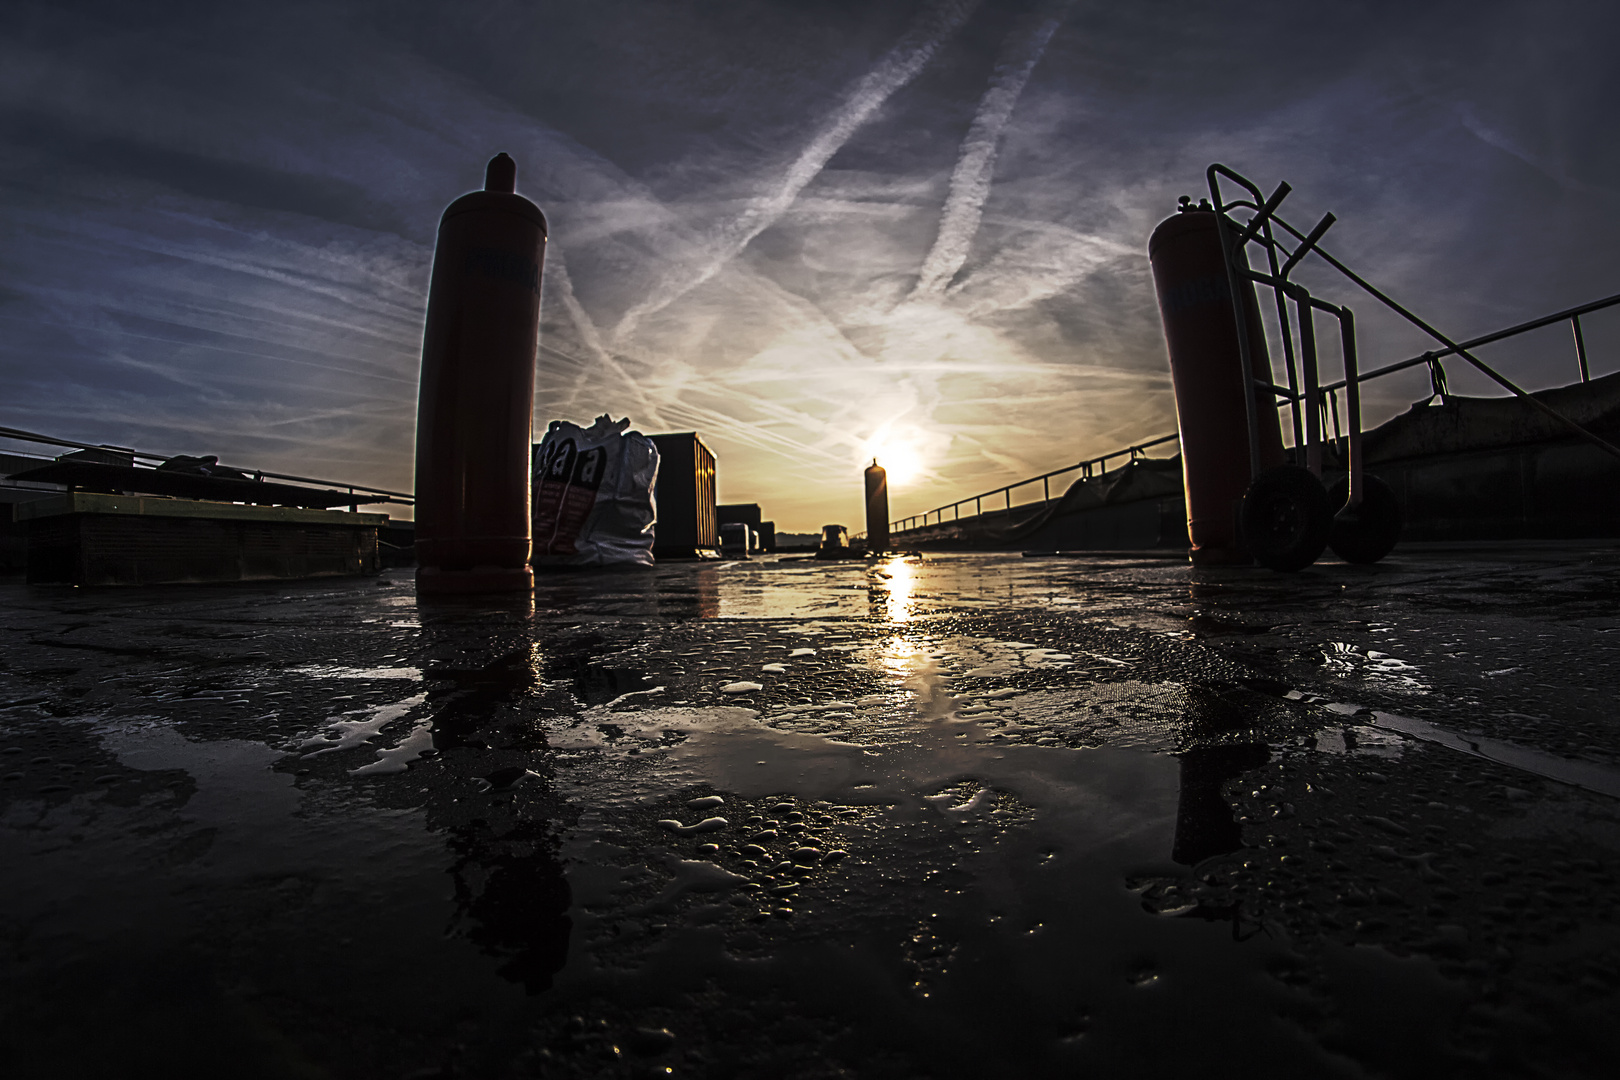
(685, 493)
(708, 522)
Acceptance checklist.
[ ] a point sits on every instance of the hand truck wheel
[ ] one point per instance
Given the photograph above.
(1286, 518)
(1367, 533)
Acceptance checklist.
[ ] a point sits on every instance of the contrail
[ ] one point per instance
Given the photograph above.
(899, 66)
(558, 284)
(970, 180)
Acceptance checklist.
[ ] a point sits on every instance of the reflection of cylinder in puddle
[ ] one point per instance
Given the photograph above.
(512, 896)
(1204, 822)
(708, 594)
(452, 611)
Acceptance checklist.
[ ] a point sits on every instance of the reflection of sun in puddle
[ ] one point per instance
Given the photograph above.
(900, 586)
(916, 667)
(898, 656)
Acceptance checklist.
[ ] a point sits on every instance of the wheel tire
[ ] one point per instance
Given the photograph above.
(1286, 518)
(1371, 532)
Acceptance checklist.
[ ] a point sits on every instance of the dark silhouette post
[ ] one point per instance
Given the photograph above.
(1189, 272)
(877, 508)
(1204, 822)
(475, 411)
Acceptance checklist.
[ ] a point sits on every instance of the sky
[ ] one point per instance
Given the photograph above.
(812, 232)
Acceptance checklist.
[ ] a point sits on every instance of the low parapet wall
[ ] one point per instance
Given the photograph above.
(1138, 505)
(1462, 468)
(1497, 469)
(89, 539)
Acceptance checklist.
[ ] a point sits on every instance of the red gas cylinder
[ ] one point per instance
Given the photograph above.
(475, 412)
(1195, 300)
(877, 507)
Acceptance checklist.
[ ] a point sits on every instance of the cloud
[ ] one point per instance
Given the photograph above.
(797, 232)
(970, 180)
(899, 66)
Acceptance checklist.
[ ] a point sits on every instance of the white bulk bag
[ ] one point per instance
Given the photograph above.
(593, 495)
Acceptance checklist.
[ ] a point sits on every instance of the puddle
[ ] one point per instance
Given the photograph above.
(1602, 779)
(1383, 733)
(328, 671)
(397, 759)
(1353, 661)
(240, 820)
(348, 734)
(1029, 925)
(789, 819)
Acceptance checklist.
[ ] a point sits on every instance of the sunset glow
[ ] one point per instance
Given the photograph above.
(815, 235)
(904, 454)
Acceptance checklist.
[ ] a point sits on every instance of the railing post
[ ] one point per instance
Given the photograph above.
(1046, 489)
(1580, 349)
(1352, 400)
(1304, 313)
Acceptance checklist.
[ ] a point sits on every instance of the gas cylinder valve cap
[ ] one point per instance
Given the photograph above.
(501, 175)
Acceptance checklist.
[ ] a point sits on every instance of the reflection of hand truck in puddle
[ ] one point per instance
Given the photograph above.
(1286, 516)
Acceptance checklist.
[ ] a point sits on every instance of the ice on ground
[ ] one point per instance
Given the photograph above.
(347, 734)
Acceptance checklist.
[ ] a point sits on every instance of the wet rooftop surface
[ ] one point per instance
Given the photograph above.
(972, 815)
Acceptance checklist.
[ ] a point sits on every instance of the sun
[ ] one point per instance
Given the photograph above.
(902, 458)
(901, 464)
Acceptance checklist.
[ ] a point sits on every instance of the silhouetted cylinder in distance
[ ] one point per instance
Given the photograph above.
(877, 507)
(1195, 301)
(475, 412)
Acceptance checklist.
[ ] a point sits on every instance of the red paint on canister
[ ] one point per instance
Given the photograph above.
(1195, 301)
(475, 411)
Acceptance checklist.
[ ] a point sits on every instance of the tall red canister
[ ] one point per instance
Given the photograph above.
(1195, 301)
(475, 411)
(877, 508)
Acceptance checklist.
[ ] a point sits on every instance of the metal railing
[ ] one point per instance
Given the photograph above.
(1088, 468)
(1571, 315)
(356, 490)
(1327, 395)
(1258, 229)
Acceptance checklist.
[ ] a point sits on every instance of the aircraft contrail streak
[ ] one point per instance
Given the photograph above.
(970, 180)
(899, 66)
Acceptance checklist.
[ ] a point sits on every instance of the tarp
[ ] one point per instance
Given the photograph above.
(1461, 424)
(184, 485)
(1136, 481)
